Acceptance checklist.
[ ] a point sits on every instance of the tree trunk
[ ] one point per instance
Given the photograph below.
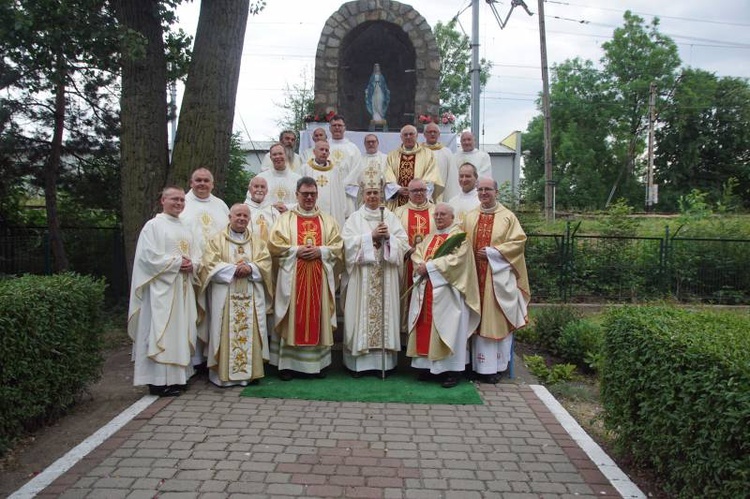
(52, 170)
(207, 112)
(143, 107)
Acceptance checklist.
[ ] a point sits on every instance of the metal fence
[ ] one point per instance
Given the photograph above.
(90, 250)
(562, 267)
(584, 268)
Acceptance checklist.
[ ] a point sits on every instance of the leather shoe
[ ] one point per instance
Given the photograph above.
(285, 375)
(450, 381)
(491, 379)
(164, 391)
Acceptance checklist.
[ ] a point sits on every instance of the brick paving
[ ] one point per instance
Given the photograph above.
(210, 442)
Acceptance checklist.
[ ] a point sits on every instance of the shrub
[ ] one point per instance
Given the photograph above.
(549, 324)
(581, 343)
(676, 391)
(549, 375)
(50, 335)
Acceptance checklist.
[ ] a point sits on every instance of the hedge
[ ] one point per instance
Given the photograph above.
(51, 330)
(675, 388)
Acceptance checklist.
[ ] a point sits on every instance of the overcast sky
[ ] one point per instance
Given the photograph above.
(281, 41)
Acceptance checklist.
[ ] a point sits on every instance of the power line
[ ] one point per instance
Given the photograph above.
(690, 19)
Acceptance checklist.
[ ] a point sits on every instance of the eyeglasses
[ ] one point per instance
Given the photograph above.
(417, 191)
(307, 194)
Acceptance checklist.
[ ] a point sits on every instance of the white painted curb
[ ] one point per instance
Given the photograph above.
(609, 469)
(53, 471)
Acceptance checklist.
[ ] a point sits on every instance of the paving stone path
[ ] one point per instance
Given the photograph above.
(211, 442)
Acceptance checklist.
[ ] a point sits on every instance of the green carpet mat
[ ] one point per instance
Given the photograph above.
(339, 386)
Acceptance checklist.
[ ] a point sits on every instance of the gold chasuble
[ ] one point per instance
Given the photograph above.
(305, 307)
(237, 343)
(461, 290)
(424, 323)
(403, 166)
(309, 284)
(504, 291)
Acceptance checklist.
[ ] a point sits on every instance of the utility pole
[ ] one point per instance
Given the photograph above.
(475, 70)
(549, 214)
(650, 188)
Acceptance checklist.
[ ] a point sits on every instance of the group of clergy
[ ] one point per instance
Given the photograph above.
(236, 288)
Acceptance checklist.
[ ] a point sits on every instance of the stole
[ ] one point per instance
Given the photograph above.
(309, 285)
(424, 322)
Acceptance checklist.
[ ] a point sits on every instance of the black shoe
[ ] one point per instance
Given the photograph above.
(286, 375)
(164, 391)
(201, 368)
(450, 381)
(490, 379)
(179, 388)
(320, 375)
(356, 374)
(425, 375)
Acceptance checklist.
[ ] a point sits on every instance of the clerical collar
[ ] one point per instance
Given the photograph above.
(236, 235)
(488, 210)
(279, 173)
(202, 200)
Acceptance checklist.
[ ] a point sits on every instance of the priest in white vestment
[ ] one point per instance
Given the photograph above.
(307, 247)
(162, 314)
(205, 215)
(318, 134)
(469, 154)
(236, 272)
(443, 159)
(374, 247)
(498, 242)
(262, 214)
(444, 309)
(468, 199)
(372, 158)
(282, 182)
(288, 139)
(331, 179)
(343, 150)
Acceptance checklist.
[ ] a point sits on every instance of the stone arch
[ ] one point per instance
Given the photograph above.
(362, 33)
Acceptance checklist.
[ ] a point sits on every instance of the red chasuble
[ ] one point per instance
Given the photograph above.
(418, 226)
(424, 323)
(309, 285)
(405, 175)
(482, 239)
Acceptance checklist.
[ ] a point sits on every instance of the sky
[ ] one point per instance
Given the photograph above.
(281, 41)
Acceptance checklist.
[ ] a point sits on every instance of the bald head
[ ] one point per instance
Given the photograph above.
(239, 217)
(202, 183)
(258, 189)
(409, 136)
(444, 216)
(467, 142)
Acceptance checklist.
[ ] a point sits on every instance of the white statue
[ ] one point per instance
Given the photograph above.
(377, 95)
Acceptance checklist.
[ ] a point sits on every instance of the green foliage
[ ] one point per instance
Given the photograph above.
(51, 330)
(618, 220)
(237, 178)
(298, 103)
(558, 373)
(455, 72)
(549, 323)
(600, 119)
(581, 343)
(693, 206)
(704, 139)
(676, 391)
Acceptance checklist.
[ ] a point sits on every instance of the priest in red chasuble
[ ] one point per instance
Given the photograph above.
(410, 161)
(416, 219)
(498, 242)
(444, 309)
(308, 249)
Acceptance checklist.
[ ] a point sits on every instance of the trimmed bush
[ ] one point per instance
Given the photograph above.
(676, 392)
(50, 347)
